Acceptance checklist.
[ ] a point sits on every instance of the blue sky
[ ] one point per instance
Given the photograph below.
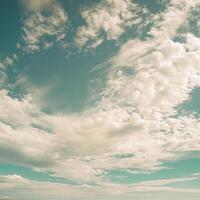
(99, 99)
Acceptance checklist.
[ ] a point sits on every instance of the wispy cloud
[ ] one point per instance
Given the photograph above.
(39, 26)
(108, 20)
(17, 184)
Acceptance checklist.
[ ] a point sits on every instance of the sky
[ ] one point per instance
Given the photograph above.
(99, 99)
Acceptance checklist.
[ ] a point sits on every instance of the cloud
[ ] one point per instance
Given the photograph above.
(173, 18)
(12, 179)
(136, 113)
(161, 182)
(20, 187)
(36, 5)
(4, 65)
(108, 20)
(21, 143)
(38, 27)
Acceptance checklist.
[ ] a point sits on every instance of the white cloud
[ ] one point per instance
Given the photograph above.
(12, 179)
(175, 15)
(8, 61)
(161, 182)
(109, 18)
(136, 114)
(38, 26)
(20, 142)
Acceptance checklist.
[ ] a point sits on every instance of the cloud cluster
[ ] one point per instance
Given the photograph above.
(109, 19)
(42, 29)
(136, 115)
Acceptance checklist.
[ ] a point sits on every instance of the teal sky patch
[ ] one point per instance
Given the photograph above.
(192, 105)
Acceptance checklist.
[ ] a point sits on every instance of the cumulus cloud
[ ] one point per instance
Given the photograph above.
(162, 80)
